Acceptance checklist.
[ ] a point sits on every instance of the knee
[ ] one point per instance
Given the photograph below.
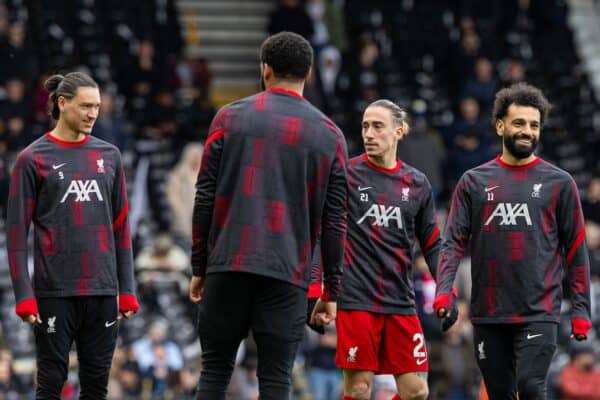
(416, 393)
(360, 390)
(532, 389)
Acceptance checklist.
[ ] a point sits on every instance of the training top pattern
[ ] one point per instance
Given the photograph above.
(273, 173)
(523, 224)
(75, 195)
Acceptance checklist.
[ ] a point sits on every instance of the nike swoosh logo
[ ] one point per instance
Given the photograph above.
(421, 362)
(360, 189)
(489, 189)
(533, 336)
(57, 166)
(109, 324)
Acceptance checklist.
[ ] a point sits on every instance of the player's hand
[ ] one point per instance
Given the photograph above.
(580, 328)
(312, 301)
(196, 289)
(445, 307)
(125, 315)
(33, 319)
(324, 312)
(451, 317)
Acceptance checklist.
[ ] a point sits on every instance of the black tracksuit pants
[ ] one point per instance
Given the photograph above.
(235, 303)
(90, 322)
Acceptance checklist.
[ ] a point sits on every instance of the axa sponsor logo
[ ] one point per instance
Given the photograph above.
(83, 190)
(383, 215)
(510, 214)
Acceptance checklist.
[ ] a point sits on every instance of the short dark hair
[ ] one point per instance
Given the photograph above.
(66, 86)
(521, 94)
(289, 54)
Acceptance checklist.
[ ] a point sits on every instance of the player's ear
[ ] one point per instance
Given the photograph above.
(61, 103)
(499, 127)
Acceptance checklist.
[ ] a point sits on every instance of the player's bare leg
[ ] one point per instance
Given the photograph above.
(412, 386)
(357, 384)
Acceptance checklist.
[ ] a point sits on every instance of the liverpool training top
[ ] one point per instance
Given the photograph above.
(523, 224)
(388, 209)
(75, 195)
(273, 173)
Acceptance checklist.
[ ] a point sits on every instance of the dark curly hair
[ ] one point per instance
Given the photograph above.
(521, 94)
(66, 86)
(289, 54)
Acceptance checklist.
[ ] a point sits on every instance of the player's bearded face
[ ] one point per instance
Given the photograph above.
(520, 145)
(521, 130)
(80, 112)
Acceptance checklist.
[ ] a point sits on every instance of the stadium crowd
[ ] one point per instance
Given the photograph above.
(442, 61)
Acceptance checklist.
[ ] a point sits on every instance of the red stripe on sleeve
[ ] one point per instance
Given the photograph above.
(575, 246)
(121, 218)
(214, 136)
(432, 238)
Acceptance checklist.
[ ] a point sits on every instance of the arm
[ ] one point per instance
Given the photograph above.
(21, 207)
(572, 237)
(335, 220)
(206, 186)
(458, 232)
(128, 303)
(428, 231)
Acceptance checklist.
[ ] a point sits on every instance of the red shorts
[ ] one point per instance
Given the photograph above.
(383, 343)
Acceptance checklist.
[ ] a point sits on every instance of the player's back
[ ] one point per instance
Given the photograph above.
(277, 156)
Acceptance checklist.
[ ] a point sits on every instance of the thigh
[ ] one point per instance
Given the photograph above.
(535, 344)
(402, 346)
(359, 338)
(224, 312)
(278, 317)
(54, 336)
(96, 337)
(494, 353)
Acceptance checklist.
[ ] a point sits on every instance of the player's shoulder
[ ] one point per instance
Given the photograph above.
(554, 172)
(416, 174)
(28, 153)
(102, 145)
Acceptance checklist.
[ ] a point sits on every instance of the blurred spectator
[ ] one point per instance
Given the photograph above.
(291, 16)
(421, 140)
(323, 375)
(329, 65)
(163, 262)
(483, 85)
(9, 388)
(198, 117)
(453, 369)
(463, 59)
(18, 60)
(112, 127)
(15, 103)
(467, 142)
(591, 200)
(336, 26)
(320, 37)
(181, 191)
(512, 71)
(156, 350)
(579, 379)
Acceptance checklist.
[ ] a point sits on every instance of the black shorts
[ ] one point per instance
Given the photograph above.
(515, 358)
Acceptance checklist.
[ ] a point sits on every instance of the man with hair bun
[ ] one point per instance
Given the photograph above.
(71, 185)
(390, 207)
(521, 217)
(273, 175)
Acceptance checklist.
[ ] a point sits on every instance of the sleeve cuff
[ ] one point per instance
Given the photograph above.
(128, 302)
(442, 301)
(314, 290)
(26, 308)
(580, 326)
(328, 294)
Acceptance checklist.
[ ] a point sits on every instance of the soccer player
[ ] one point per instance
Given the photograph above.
(273, 175)
(523, 219)
(72, 186)
(390, 206)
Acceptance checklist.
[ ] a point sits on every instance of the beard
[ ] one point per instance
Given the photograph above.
(517, 150)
